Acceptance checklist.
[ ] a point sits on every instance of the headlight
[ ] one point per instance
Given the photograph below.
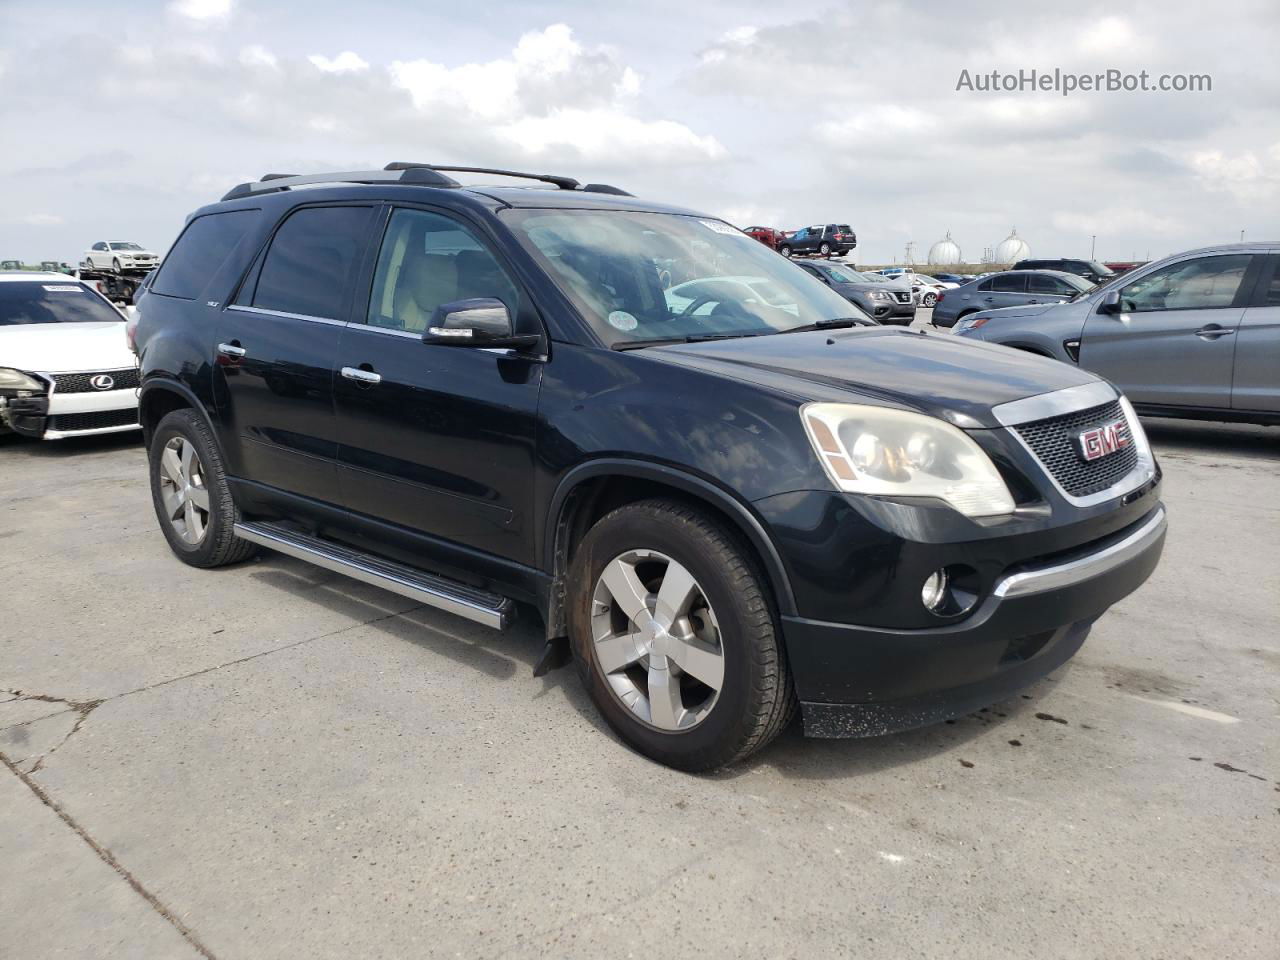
(895, 453)
(17, 380)
(880, 295)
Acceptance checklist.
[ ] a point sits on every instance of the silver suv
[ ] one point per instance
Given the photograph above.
(1193, 335)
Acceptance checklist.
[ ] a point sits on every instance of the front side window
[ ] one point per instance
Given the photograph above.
(100, 246)
(23, 302)
(311, 264)
(650, 276)
(201, 250)
(1043, 283)
(427, 260)
(1201, 284)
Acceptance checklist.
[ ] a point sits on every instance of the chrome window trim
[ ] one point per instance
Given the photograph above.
(1086, 567)
(285, 315)
(387, 330)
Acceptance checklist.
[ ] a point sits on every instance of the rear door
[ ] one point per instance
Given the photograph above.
(1174, 341)
(438, 439)
(276, 347)
(1006, 290)
(1256, 384)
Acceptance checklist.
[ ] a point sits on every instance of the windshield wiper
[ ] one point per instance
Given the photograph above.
(690, 338)
(839, 323)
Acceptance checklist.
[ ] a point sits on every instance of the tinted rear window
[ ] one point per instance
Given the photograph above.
(48, 301)
(1009, 283)
(311, 264)
(203, 248)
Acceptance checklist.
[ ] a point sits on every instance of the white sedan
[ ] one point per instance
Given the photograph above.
(119, 255)
(65, 368)
(927, 288)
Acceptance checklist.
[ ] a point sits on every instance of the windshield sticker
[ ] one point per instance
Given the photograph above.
(62, 287)
(621, 320)
(724, 228)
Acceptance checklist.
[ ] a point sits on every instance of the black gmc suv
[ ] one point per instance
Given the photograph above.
(724, 499)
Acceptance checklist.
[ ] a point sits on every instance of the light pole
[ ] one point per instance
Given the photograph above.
(1093, 243)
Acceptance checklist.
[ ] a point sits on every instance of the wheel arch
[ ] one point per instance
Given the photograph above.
(592, 489)
(160, 397)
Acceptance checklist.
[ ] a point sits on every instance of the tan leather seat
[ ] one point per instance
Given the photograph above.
(426, 280)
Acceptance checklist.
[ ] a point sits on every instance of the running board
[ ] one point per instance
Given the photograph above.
(457, 598)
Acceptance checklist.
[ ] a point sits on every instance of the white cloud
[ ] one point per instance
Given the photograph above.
(258, 56)
(879, 121)
(202, 11)
(1245, 175)
(602, 136)
(1117, 220)
(1109, 35)
(40, 220)
(345, 62)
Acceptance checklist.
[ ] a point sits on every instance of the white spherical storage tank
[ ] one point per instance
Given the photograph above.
(945, 251)
(1012, 249)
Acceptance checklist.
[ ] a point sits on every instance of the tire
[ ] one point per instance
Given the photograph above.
(930, 300)
(217, 545)
(825, 249)
(785, 250)
(733, 604)
(115, 264)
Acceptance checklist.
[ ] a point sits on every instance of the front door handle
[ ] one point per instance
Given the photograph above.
(361, 376)
(232, 350)
(1213, 332)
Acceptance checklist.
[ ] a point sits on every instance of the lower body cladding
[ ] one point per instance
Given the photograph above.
(862, 681)
(59, 416)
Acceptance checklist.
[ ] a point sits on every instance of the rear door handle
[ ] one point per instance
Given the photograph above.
(231, 350)
(361, 376)
(1213, 332)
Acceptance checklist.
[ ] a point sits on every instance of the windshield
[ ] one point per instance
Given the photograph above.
(654, 276)
(24, 302)
(123, 246)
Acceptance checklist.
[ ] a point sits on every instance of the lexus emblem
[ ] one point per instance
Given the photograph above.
(1098, 442)
(102, 382)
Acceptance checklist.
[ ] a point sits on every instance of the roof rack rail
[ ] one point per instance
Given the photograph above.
(275, 182)
(564, 183)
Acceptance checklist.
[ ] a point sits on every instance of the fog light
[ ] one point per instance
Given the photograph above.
(934, 592)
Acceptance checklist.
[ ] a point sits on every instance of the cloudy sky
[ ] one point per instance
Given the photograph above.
(784, 114)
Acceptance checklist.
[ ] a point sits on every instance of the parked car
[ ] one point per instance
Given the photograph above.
(893, 271)
(959, 279)
(925, 288)
(65, 369)
(770, 237)
(1091, 270)
(829, 240)
(873, 297)
(119, 255)
(1193, 335)
(1008, 289)
(480, 395)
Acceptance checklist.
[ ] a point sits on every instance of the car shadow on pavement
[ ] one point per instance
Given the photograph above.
(1200, 436)
(12, 443)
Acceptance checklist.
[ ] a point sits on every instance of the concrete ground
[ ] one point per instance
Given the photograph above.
(274, 761)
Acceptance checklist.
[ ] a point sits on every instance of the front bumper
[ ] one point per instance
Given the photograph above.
(859, 681)
(56, 416)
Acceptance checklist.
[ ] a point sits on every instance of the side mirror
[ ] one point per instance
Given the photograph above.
(1110, 302)
(478, 322)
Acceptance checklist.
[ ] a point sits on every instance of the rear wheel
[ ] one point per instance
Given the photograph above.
(930, 299)
(675, 637)
(785, 250)
(190, 494)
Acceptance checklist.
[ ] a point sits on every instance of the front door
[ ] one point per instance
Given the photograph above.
(1256, 385)
(276, 347)
(1173, 341)
(439, 439)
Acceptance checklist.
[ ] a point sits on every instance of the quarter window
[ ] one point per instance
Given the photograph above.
(1201, 284)
(198, 254)
(428, 260)
(311, 264)
(1042, 283)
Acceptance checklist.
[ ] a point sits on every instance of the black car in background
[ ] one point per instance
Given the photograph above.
(882, 301)
(826, 240)
(1091, 270)
(723, 507)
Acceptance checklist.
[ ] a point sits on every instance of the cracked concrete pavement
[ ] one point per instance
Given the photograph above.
(270, 760)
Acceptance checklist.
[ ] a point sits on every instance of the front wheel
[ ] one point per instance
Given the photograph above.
(825, 249)
(675, 637)
(785, 250)
(115, 265)
(190, 494)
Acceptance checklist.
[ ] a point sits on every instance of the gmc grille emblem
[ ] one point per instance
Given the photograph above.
(1098, 442)
(102, 382)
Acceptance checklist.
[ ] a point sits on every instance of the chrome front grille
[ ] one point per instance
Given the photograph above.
(1052, 440)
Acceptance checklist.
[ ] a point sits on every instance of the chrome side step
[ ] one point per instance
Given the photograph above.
(478, 605)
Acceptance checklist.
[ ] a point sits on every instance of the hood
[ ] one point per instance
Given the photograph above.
(65, 347)
(956, 379)
(1025, 310)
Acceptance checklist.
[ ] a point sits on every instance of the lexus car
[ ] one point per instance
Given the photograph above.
(65, 367)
